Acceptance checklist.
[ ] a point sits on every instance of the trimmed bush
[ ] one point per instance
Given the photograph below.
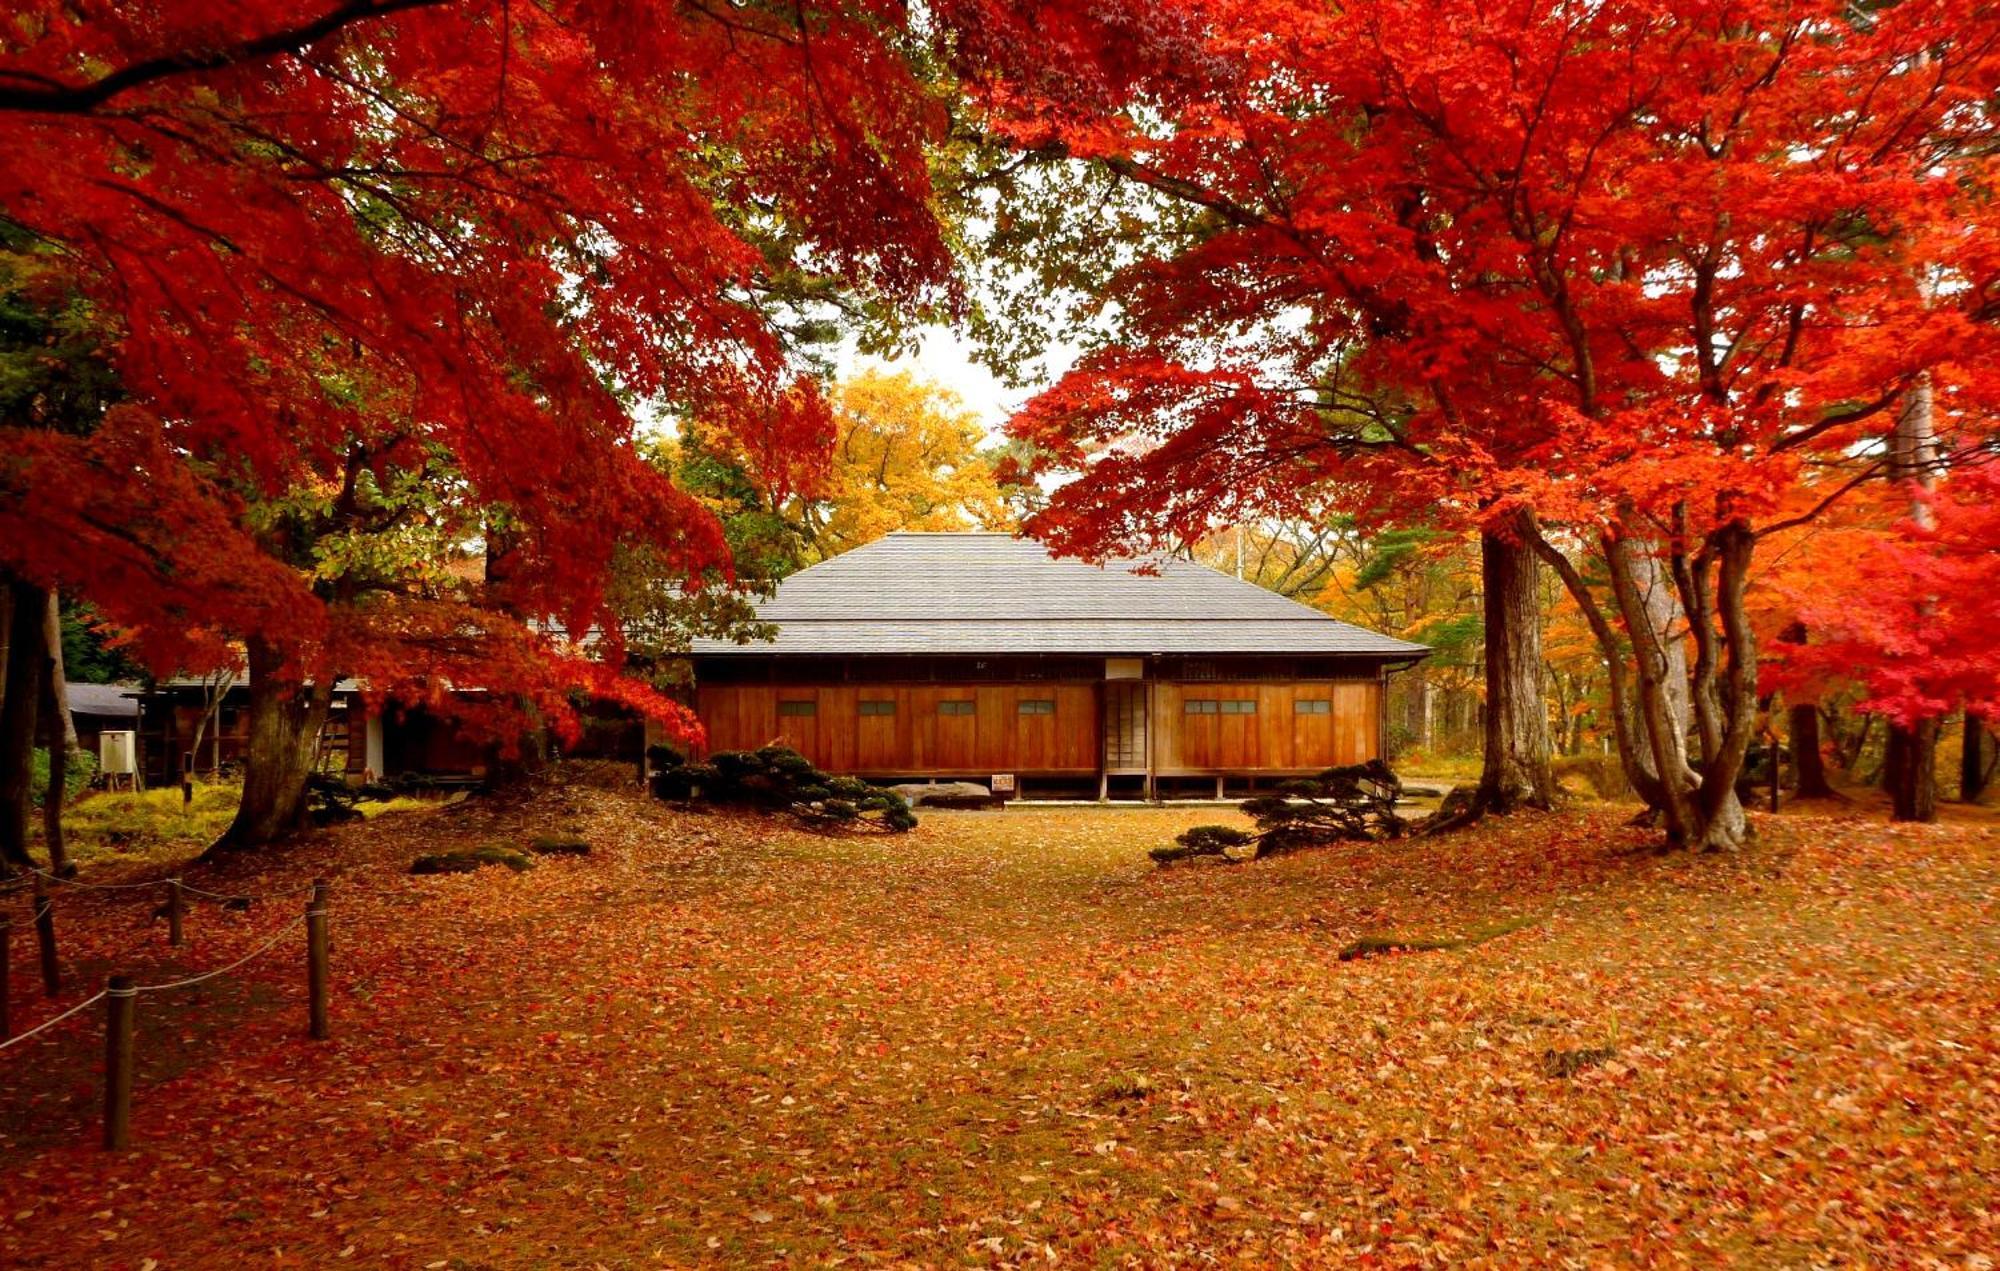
(1353, 802)
(776, 779)
(1204, 840)
(466, 861)
(331, 799)
(1357, 801)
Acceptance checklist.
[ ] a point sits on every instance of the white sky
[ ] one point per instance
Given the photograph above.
(946, 358)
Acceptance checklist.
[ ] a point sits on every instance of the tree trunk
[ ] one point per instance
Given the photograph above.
(285, 722)
(1515, 767)
(1698, 808)
(1972, 769)
(61, 729)
(1910, 771)
(1808, 761)
(26, 663)
(1427, 713)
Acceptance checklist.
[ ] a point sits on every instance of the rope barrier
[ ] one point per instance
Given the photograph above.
(257, 952)
(186, 886)
(77, 882)
(276, 936)
(51, 1023)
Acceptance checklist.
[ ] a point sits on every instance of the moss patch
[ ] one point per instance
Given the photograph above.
(465, 862)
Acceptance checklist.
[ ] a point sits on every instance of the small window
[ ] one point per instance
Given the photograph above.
(1239, 706)
(1311, 706)
(956, 708)
(883, 707)
(797, 709)
(1199, 706)
(1037, 706)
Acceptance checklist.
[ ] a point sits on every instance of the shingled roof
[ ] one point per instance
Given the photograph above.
(977, 593)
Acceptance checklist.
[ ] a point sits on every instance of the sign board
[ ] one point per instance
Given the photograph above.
(1003, 783)
(117, 753)
(1124, 668)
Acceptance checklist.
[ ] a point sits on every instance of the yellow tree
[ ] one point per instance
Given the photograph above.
(908, 456)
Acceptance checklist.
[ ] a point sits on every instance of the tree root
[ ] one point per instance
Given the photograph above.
(1370, 946)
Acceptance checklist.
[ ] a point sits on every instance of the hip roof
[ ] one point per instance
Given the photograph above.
(983, 593)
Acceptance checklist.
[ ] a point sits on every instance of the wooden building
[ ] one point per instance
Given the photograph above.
(395, 743)
(981, 657)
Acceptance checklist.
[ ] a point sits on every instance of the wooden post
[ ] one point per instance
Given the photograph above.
(1152, 704)
(1776, 757)
(119, 1000)
(316, 950)
(187, 778)
(45, 936)
(176, 906)
(6, 976)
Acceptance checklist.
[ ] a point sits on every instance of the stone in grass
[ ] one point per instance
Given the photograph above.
(466, 861)
(559, 845)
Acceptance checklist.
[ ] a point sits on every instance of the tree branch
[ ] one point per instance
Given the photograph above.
(76, 99)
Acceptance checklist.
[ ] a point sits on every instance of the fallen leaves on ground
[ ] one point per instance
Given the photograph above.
(1008, 1038)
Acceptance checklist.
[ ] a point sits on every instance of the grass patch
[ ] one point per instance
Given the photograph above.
(401, 803)
(149, 823)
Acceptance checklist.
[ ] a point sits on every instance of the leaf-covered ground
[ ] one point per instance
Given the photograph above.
(1008, 1038)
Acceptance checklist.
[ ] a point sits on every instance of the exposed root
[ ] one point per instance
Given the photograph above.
(1370, 946)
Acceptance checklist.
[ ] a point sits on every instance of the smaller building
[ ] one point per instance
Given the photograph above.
(390, 743)
(95, 709)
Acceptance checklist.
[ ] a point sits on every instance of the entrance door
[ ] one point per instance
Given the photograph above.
(1124, 726)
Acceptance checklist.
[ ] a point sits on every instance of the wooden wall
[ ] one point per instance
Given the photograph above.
(1274, 736)
(917, 738)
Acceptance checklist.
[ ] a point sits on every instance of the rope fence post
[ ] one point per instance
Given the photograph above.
(316, 951)
(120, 1003)
(176, 907)
(6, 976)
(45, 936)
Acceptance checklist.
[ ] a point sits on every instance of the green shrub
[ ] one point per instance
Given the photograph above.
(777, 779)
(77, 775)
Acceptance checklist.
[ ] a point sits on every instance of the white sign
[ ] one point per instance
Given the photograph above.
(1003, 783)
(117, 752)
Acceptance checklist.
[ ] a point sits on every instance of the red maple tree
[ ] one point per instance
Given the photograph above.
(336, 249)
(1639, 272)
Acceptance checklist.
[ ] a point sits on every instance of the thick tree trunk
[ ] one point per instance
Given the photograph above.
(26, 664)
(285, 722)
(1972, 766)
(1808, 760)
(1698, 808)
(1910, 771)
(1515, 767)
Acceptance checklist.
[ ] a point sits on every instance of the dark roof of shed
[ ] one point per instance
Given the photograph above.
(102, 699)
(981, 593)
